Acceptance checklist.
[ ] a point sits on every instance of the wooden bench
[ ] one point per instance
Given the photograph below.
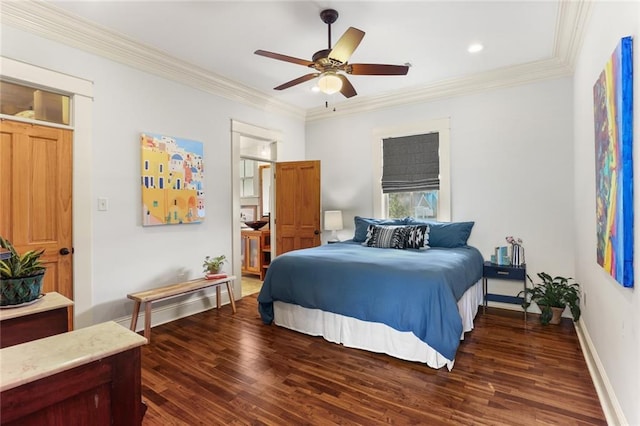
(166, 292)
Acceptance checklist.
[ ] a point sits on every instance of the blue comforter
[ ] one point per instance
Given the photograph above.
(408, 290)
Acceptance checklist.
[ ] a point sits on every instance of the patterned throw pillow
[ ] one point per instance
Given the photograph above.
(417, 237)
(386, 236)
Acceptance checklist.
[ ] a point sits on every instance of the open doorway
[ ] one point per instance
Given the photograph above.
(254, 152)
(255, 220)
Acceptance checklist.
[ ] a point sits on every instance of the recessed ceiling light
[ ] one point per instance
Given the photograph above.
(315, 89)
(475, 47)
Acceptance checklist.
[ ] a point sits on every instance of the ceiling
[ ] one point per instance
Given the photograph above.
(219, 38)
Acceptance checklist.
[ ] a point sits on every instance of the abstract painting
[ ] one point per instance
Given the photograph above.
(613, 111)
(172, 180)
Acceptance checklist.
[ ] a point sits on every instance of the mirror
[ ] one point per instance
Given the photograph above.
(265, 190)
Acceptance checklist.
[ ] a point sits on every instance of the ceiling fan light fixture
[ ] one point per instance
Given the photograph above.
(329, 83)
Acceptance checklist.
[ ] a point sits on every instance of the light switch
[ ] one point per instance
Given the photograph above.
(103, 204)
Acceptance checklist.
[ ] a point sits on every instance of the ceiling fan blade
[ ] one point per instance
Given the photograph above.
(298, 80)
(347, 89)
(377, 69)
(285, 58)
(344, 48)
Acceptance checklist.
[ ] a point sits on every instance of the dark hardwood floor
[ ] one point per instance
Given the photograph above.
(216, 368)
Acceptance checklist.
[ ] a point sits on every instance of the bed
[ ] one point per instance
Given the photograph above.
(414, 304)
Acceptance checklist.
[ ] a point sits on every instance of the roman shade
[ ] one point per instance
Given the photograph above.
(410, 163)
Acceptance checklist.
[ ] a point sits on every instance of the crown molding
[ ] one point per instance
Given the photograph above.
(494, 79)
(570, 25)
(54, 23)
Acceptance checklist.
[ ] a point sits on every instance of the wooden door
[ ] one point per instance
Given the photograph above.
(297, 205)
(35, 197)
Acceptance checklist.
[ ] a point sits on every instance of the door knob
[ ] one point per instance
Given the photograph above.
(316, 232)
(64, 251)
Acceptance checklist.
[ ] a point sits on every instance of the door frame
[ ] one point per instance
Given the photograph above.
(238, 129)
(81, 92)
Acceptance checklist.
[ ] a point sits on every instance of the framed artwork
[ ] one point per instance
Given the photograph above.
(613, 120)
(172, 180)
(248, 213)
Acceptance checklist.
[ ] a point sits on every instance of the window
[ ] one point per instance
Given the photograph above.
(246, 178)
(31, 103)
(411, 173)
(419, 204)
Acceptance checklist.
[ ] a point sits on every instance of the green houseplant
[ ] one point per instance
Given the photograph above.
(212, 265)
(20, 275)
(553, 294)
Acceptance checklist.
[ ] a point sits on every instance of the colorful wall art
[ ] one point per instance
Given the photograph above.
(613, 110)
(172, 180)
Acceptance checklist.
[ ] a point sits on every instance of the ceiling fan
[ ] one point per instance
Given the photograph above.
(331, 64)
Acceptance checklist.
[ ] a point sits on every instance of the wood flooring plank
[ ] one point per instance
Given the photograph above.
(217, 368)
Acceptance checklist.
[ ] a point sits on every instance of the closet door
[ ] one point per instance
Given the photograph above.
(35, 197)
(297, 206)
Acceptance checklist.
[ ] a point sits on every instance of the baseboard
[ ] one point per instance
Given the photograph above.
(176, 310)
(610, 405)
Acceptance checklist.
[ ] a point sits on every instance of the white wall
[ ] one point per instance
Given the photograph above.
(126, 256)
(511, 166)
(612, 314)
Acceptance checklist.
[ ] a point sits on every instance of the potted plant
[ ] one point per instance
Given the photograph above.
(20, 275)
(552, 296)
(213, 265)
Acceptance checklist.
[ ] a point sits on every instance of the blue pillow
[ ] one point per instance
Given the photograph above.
(446, 234)
(362, 224)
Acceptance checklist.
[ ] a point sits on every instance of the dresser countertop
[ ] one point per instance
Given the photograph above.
(31, 361)
(47, 302)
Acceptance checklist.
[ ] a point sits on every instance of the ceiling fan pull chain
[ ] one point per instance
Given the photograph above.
(326, 105)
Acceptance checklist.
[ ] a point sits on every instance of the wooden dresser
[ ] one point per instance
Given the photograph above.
(90, 376)
(43, 318)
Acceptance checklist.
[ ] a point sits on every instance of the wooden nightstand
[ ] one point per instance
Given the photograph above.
(502, 272)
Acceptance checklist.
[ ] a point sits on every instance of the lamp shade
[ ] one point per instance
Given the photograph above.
(329, 83)
(333, 220)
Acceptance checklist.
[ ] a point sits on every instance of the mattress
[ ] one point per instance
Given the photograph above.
(374, 336)
(409, 291)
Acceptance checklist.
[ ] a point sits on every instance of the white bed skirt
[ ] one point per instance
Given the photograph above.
(374, 336)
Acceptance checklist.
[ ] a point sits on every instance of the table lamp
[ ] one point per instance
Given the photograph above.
(333, 223)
